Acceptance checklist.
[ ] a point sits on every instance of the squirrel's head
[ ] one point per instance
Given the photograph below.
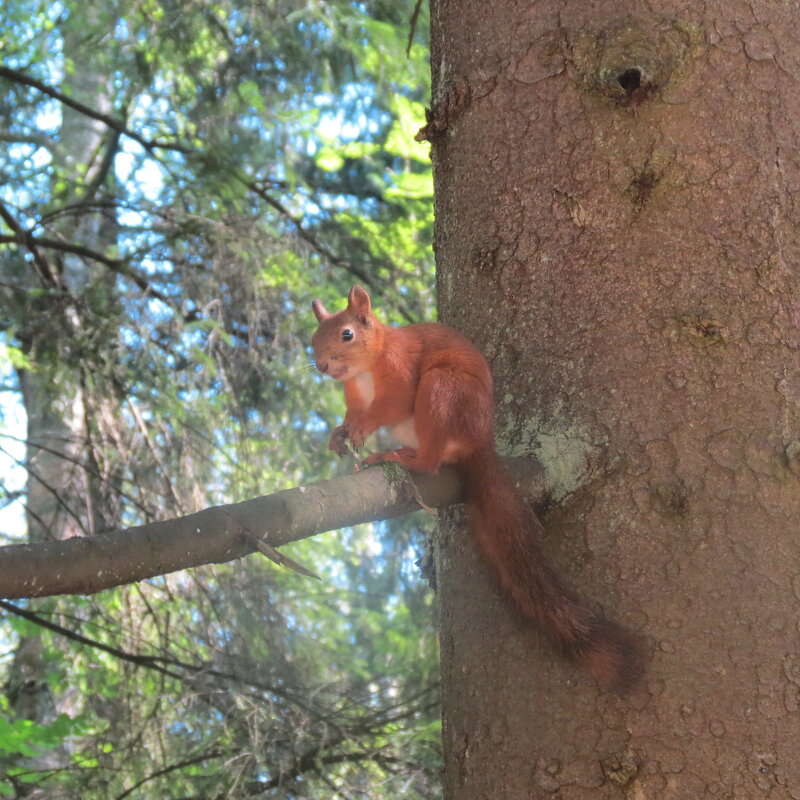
(346, 343)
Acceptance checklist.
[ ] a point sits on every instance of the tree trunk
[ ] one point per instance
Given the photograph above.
(616, 228)
(63, 497)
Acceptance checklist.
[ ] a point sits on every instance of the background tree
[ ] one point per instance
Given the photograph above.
(616, 228)
(174, 180)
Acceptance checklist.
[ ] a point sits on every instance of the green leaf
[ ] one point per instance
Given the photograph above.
(329, 160)
(412, 184)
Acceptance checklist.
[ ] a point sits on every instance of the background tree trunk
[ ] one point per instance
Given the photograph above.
(616, 228)
(63, 492)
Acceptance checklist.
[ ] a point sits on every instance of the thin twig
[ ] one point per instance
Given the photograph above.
(274, 555)
(61, 502)
(412, 26)
(137, 415)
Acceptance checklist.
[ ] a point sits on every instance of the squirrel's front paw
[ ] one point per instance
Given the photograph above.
(338, 440)
(357, 437)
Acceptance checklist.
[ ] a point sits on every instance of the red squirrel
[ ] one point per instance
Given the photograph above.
(433, 389)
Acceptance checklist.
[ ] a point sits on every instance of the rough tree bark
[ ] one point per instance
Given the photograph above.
(617, 228)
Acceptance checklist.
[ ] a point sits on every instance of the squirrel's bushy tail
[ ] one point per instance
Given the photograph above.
(508, 534)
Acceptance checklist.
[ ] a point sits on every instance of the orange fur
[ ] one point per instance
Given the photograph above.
(435, 389)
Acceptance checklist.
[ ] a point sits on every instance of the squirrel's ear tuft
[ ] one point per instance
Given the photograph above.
(319, 310)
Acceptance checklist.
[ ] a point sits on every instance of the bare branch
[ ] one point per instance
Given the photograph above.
(85, 565)
(106, 164)
(412, 27)
(120, 127)
(27, 137)
(112, 122)
(210, 754)
(151, 662)
(24, 239)
(118, 265)
(312, 762)
(279, 558)
(172, 667)
(29, 239)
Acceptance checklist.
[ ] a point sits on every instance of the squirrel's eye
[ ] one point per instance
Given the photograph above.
(348, 335)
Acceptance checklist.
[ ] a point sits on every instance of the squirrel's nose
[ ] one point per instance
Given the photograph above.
(322, 366)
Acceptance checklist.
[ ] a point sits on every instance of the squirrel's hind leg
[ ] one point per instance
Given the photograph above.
(410, 457)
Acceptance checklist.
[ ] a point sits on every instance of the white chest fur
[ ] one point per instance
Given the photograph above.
(366, 387)
(404, 432)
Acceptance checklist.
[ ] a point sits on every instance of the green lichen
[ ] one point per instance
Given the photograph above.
(566, 449)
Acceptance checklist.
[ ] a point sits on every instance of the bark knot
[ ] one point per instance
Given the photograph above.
(453, 103)
(620, 768)
(630, 58)
(702, 329)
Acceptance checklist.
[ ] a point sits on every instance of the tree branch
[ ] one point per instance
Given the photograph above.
(29, 240)
(210, 754)
(313, 762)
(162, 664)
(151, 662)
(117, 265)
(120, 127)
(28, 137)
(85, 565)
(24, 239)
(305, 234)
(112, 122)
